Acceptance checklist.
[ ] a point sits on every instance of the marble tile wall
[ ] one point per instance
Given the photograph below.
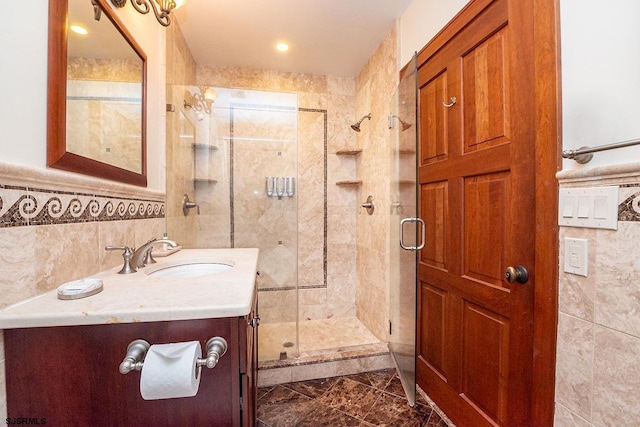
(326, 261)
(54, 227)
(180, 136)
(375, 86)
(264, 145)
(598, 347)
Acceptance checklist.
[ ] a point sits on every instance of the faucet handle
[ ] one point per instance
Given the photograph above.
(148, 256)
(126, 254)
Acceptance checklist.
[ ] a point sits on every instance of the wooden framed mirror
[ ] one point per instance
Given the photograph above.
(96, 118)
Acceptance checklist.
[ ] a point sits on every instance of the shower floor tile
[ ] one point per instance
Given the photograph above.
(275, 338)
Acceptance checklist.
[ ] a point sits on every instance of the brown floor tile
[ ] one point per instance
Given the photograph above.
(377, 379)
(282, 407)
(394, 411)
(351, 397)
(312, 388)
(395, 387)
(435, 421)
(323, 415)
(350, 401)
(264, 390)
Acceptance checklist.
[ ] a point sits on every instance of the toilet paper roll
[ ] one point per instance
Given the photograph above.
(169, 371)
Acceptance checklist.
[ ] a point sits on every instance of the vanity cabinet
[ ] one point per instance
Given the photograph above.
(69, 375)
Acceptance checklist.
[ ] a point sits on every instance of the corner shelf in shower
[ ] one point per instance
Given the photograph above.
(204, 181)
(201, 146)
(348, 152)
(349, 183)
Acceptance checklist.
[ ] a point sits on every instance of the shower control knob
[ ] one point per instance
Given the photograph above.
(369, 205)
(516, 274)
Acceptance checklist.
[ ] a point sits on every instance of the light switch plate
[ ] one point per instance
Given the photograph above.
(589, 207)
(576, 256)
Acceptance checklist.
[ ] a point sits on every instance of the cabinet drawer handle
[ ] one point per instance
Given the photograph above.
(255, 322)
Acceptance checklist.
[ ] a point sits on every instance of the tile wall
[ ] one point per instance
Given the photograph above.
(598, 348)
(343, 259)
(181, 72)
(375, 86)
(326, 212)
(54, 227)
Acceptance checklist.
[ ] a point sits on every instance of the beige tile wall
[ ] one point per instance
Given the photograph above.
(318, 97)
(180, 134)
(333, 98)
(356, 272)
(598, 352)
(375, 85)
(54, 227)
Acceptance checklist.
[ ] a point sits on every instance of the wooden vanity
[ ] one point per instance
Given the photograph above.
(68, 374)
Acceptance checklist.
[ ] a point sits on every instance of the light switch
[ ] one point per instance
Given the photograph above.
(567, 209)
(583, 206)
(589, 207)
(600, 207)
(576, 256)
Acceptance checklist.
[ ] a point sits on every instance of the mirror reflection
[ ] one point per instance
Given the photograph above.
(104, 91)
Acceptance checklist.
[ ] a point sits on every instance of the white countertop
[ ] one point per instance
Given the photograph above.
(138, 297)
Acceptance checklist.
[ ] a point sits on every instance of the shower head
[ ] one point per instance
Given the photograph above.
(404, 124)
(356, 126)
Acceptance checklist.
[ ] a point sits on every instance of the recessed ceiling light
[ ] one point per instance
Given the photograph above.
(79, 29)
(282, 47)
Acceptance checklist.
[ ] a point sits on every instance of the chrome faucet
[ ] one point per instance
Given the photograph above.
(138, 257)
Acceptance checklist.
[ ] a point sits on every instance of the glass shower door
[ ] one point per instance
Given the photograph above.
(405, 230)
(237, 159)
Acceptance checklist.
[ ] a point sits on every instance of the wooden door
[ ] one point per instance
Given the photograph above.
(477, 180)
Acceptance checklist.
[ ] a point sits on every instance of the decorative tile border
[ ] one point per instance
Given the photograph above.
(325, 195)
(629, 208)
(324, 247)
(24, 206)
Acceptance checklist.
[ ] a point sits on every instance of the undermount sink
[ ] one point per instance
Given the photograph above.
(189, 269)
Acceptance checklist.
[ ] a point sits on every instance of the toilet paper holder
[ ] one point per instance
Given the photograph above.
(137, 350)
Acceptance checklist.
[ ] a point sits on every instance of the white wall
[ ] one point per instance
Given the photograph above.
(23, 85)
(23, 82)
(600, 77)
(421, 21)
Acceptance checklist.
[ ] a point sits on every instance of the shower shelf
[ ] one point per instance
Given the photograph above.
(204, 180)
(349, 152)
(201, 146)
(353, 183)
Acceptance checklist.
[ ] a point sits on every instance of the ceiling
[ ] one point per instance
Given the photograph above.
(327, 37)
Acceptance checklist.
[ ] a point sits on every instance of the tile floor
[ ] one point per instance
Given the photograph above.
(366, 399)
(314, 335)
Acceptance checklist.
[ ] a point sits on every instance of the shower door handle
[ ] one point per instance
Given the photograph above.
(422, 234)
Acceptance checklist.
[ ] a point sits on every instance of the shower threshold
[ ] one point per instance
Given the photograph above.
(328, 347)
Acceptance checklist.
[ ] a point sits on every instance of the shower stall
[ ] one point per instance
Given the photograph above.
(253, 167)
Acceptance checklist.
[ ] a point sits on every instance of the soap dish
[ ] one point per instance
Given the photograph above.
(80, 288)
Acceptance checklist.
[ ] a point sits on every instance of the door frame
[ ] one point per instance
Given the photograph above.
(548, 124)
